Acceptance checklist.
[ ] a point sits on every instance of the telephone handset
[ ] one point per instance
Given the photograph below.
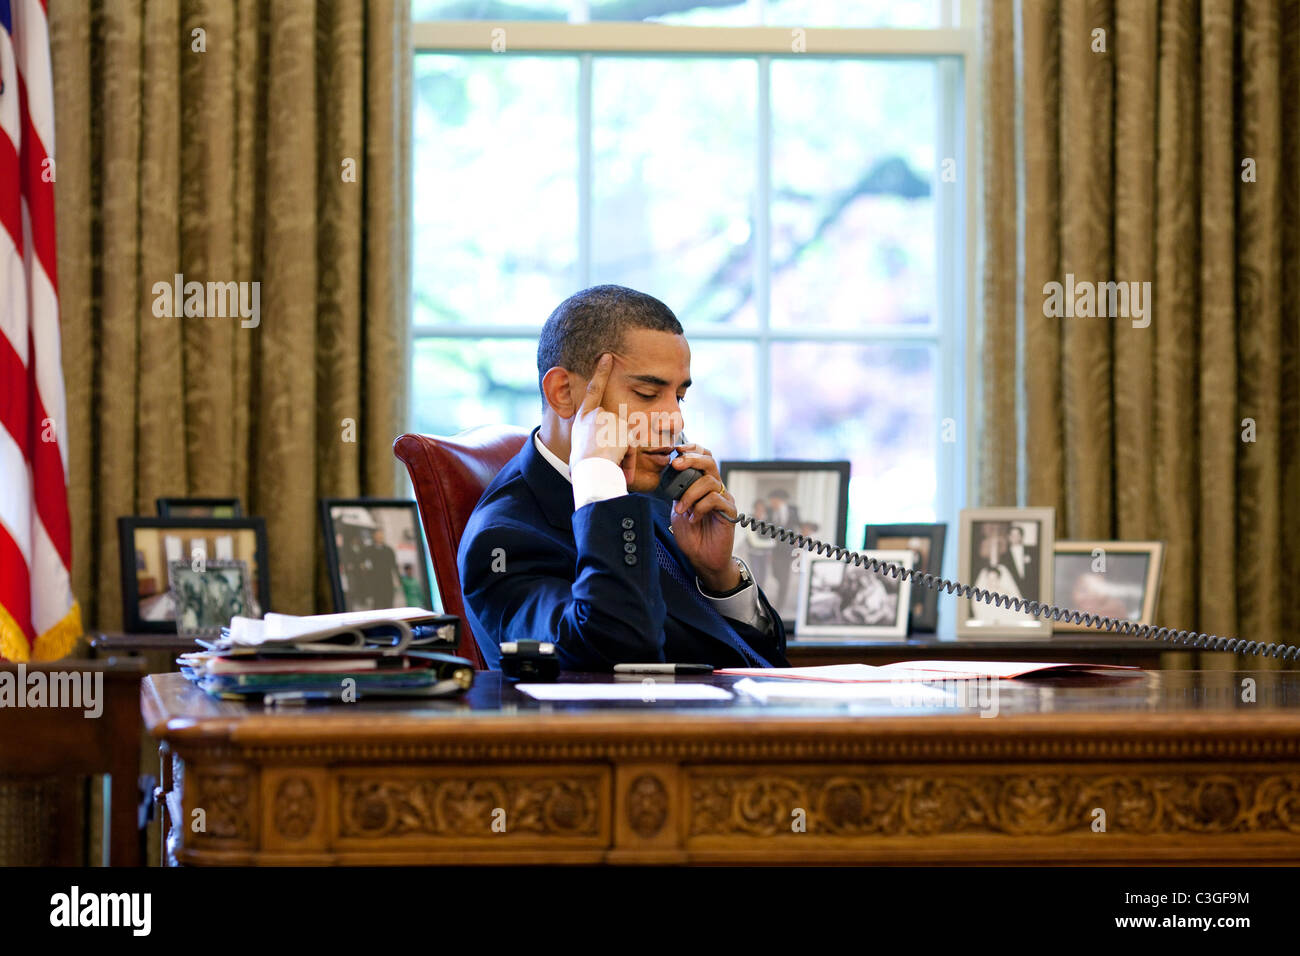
(673, 484)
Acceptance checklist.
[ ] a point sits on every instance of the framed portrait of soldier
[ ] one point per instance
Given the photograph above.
(1008, 551)
(374, 553)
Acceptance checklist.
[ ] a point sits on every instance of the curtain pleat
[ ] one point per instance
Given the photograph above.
(1169, 157)
(224, 164)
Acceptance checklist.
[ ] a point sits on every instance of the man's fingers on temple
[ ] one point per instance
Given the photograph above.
(596, 384)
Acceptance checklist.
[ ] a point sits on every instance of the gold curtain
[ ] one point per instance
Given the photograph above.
(1149, 141)
(214, 140)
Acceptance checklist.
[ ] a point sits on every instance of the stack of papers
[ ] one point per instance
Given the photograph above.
(344, 657)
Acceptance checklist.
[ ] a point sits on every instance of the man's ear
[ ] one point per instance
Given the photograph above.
(559, 387)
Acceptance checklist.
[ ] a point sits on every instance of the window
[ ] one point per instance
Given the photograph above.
(795, 193)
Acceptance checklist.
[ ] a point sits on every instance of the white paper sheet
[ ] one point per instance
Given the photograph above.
(898, 693)
(651, 692)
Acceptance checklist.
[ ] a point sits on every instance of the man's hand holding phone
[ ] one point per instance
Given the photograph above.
(703, 534)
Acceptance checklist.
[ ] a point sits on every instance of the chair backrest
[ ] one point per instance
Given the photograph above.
(450, 475)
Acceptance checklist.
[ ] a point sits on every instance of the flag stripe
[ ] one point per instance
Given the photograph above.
(38, 612)
(15, 584)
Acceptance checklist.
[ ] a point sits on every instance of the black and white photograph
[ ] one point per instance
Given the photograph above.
(375, 554)
(1009, 551)
(149, 546)
(208, 594)
(807, 497)
(840, 601)
(926, 542)
(1118, 579)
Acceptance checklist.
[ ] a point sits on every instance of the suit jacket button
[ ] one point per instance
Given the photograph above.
(630, 548)
(629, 535)
(627, 522)
(629, 559)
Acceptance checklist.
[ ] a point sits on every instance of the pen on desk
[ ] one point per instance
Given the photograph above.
(663, 669)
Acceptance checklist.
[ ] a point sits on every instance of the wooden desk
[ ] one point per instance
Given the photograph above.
(1184, 771)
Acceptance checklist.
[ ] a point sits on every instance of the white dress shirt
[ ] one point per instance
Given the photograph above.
(598, 479)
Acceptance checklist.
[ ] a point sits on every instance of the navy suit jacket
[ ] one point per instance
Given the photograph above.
(532, 568)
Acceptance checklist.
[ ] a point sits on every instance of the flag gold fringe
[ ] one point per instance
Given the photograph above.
(57, 642)
(13, 642)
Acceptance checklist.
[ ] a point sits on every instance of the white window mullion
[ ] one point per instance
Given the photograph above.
(763, 260)
(584, 170)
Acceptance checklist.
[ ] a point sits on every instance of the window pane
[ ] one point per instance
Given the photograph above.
(459, 383)
(809, 13)
(871, 404)
(853, 13)
(495, 188)
(490, 9)
(719, 408)
(674, 182)
(853, 158)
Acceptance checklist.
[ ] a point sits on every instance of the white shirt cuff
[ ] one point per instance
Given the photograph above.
(596, 479)
(742, 606)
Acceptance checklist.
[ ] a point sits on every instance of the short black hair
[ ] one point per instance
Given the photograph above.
(592, 322)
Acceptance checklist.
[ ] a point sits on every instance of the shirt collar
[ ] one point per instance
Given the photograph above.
(551, 457)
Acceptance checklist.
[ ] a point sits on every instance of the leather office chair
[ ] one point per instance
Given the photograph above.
(450, 475)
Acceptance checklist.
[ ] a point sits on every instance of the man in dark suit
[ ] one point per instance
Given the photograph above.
(1022, 561)
(566, 546)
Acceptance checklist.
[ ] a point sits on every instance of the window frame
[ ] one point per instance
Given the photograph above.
(954, 44)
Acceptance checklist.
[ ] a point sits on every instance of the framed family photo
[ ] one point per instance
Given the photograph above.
(1119, 579)
(926, 542)
(1010, 551)
(374, 552)
(199, 508)
(150, 547)
(808, 497)
(844, 602)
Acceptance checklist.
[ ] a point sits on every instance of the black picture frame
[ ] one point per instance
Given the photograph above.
(334, 561)
(174, 507)
(128, 526)
(783, 592)
(924, 618)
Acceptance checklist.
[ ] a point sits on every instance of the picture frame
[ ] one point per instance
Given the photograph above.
(1119, 579)
(998, 551)
(207, 597)
(928, 541)
(839, 601)
(816, 501)
(199, 508)
(147, 545)
(370, 539)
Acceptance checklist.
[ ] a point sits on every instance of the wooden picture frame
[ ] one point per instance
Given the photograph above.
(348, 526)
(987, 542)
(146, 545)
(1106, 564)
(924, 617)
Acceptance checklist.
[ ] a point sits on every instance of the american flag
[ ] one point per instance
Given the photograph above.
(39, 619)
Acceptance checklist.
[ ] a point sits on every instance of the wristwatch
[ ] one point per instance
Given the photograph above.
(746, 579)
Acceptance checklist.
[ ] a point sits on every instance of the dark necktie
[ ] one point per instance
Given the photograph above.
(675, 571)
